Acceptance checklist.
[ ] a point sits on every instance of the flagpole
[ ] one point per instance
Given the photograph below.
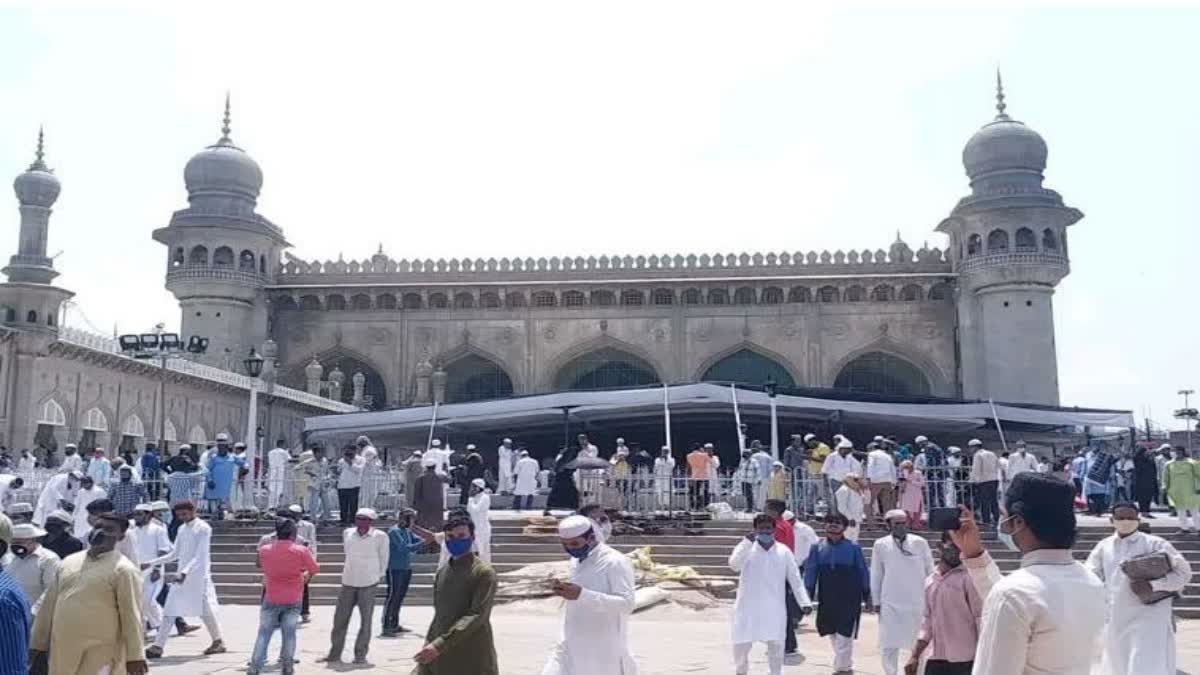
(737, 419)
(996, 419)
(667, 413)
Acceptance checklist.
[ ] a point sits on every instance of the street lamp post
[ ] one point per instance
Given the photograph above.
(254, 366)
(771, 388)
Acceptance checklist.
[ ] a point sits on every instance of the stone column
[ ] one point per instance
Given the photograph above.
(312, 377)
(336, 379)
(438, 380)
(423, 374)
(359, 381)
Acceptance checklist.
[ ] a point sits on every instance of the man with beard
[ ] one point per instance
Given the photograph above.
(950, 621)
(192, 592)
(32, 566)
(58, 535)
(899, 565)
(837, 579)
(152, 542)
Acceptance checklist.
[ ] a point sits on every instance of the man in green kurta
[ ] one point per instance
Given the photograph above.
(1181, 481)
(459, 641)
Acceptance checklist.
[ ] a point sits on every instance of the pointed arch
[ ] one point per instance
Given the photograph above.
(170, 432)
(934, 378)
(349, 362)
(95, 420)
(132, 426)
(749, 363)
(52, 414)
(602, 362)
(197, 436)
(473, 374)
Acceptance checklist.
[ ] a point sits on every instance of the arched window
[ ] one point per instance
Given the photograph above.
(743, 296)
(881, 373)
(385, 301)
(94, 420)
(632, 297)
(544, 299)
(197, 436)
(411, 301)
(438, 301)
(10, 315)
(750, 367)
(771, 296)
(515, 299)
(718, 296)
(53, 414)
(246, 261)
(692, 296)
(997, 241)
(910, 293)
(574, 299)
(335, 302)
(800, 294)
(489, 300)
(883, 293)
(464, 301)
(177, 258)
(1026, 240)
(1049, 241)
(974, 245)
(856, 294)
(310, 302)
(360, 301)
(605, 368)
(31, 317)
(198, 256)
(223, 257)
(603, 298)
(664, 296)
(170, 434)
(133, 427)
(827, 294)
(474, 378)
(940, 292)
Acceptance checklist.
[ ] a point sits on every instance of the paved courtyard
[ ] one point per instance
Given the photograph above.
(666, 641)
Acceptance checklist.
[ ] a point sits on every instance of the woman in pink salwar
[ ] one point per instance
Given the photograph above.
(912, 491)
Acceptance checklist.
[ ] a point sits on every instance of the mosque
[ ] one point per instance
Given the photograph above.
(971, 321)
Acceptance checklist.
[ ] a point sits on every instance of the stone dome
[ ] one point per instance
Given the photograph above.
(225, 169)
(1004, 145)
(38, 186)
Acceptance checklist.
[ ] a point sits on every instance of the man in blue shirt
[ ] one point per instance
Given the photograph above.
(14, 614)
(151, 470)
(403, 542)
(837, 579)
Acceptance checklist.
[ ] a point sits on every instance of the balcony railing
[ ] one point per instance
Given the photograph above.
(189, 273)
(1014, 258)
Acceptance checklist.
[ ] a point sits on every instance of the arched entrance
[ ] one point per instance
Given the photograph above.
(475, 378)
(883, 373)
(750, 367)
(604, 368)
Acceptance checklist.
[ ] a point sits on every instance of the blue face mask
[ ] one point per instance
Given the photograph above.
(457, 547)
(578, 553)
(765, 539)
(1006, 538)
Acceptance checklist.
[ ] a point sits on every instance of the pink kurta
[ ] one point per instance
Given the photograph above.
(911, 494)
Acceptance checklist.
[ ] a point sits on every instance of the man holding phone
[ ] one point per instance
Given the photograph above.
(950, 622)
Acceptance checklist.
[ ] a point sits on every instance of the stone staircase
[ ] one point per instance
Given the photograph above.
(238, 582)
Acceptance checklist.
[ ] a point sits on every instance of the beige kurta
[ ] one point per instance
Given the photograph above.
(91, 616)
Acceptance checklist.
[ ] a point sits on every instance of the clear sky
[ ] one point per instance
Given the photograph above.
(560, 128)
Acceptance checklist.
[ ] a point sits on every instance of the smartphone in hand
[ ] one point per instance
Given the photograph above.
(942, 519)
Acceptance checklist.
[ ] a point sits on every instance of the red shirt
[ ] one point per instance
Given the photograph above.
(785, 535)
(284, 563)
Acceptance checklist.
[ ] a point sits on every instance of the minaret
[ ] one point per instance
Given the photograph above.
(29, 301)
(1008, 244)
(221, 253)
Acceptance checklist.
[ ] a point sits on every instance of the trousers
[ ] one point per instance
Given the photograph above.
(350, 597)
(889, 659)
(151, 611)
(986, 501)
(272, 617)
(698, 494)
(793, 618)
(940, 667)
(748, 495)
(1189, 519)
(843, 652)
(208, 615)
(398, 581)
(741, 657)
(883, 499)
(347, 504)
(522, 502)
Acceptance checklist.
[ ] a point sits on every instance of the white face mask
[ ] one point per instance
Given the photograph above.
(1126, 527)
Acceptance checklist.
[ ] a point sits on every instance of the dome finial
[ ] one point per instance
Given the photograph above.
(1000, 105)
(225, 140)
(39, 156)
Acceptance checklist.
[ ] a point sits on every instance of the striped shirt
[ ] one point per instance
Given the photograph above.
(14, 627)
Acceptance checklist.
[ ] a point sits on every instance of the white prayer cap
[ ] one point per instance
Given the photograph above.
(19, 507)
(436, 443)
(896, 513)
(222, 437)
(144, 508)
(838, 437)
(478, 482)
(954, 449)
(574, 526)
(59, 515)
(362, 440)
(810, 437)
(470, 446)
(366, 513)
(507, 440)
(1165, 446)
(1021, 443)
(845, 443)
(296, 508)
(523, 453)
(27, 531)
(159, 506)
(239, 446)
(666, 447)
(185, 446)
(428, 462)
(620, 441)
(71, 445)
(708, 446)
(623, 451)
(788, 515)
(850, 478)
(920, 439)
(878, 439)
(974, 442)
(779, 464)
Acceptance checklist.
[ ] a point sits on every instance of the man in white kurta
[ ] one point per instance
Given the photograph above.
(766, 570)
(599, 599)
(151, 542)
(60, 487)
(479, 504)
(192, 593)
(526, 481)
(277, 464)
(505, 459)
(664, 470)
(88, 493)
(1138, 638)
(899, 565)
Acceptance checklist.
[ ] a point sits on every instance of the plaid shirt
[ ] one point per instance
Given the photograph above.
(125, 496)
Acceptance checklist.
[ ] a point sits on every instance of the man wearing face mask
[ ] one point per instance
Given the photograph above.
(32, 566)
(766, 570)
(600, 598)
(58, 535)
(88, 493)
(192, 592)
(221, 468)
(1046, 616)
(1138, 638)
(459, 639)
(837, 578)
(366, 550)
(899, 565)
(152, 542)
(950, 622)
(91, 616)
